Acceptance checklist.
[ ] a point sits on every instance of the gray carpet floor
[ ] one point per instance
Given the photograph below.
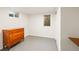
(34, 43)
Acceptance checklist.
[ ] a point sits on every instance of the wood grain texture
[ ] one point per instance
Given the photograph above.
(12, 37)
(75, 40)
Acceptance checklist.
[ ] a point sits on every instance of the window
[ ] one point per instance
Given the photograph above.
(46, 20)
(14, 14)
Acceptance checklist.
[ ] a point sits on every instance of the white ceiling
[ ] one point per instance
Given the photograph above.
(35, 10)
(31, 10)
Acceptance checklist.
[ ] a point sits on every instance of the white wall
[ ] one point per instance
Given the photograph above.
(57, 27)
(25, 19)
(70, 26)
(6, 22)
(37, 28)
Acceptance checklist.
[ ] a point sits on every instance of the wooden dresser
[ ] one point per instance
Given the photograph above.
(12, 37)
(74, 40)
